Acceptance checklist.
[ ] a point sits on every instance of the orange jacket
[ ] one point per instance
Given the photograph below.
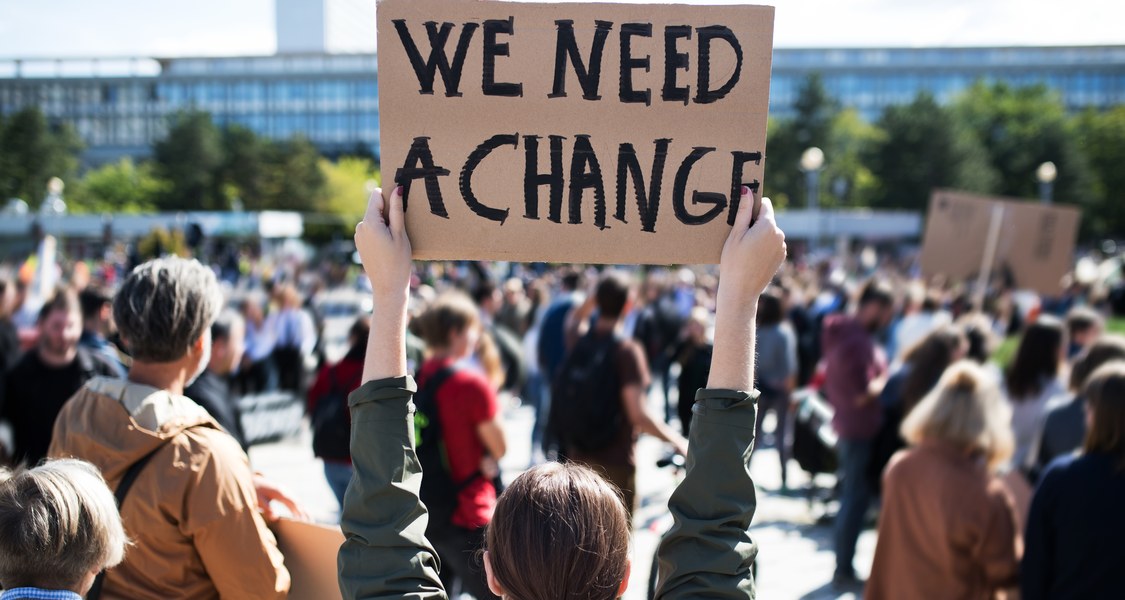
(192, 512)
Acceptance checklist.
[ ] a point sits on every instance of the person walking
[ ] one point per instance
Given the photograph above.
(1032, 380)
(948, 527)
(777, 373)
(333, 384)
(1075, 528)
(855, 372)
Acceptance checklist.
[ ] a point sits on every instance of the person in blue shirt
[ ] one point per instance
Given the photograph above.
(59, 528)
(1072, 548)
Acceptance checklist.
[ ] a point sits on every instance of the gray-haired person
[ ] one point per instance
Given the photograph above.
(192, 508)
(59, 528)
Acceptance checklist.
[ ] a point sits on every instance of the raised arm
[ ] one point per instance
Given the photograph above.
(385, 553)
(708, 552)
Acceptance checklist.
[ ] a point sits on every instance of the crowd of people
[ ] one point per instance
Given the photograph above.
(985, 479)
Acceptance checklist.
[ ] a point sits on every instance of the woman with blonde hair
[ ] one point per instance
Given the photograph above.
(949, 526)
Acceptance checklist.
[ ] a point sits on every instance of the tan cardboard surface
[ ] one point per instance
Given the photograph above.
(310, 555)
(1036, 243)
(520, 72)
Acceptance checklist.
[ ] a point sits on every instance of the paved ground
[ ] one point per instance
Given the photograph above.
(795, 558)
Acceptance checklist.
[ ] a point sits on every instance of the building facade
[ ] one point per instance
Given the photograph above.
(121, 106)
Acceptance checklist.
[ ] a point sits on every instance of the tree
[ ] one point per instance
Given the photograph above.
(190, 159)
(921, 146)
(1103, 135)
(292, 180)
(121, 187)
(32, 151)
(346, 183)
(243, 172)
(789, 138)
(1021, 128)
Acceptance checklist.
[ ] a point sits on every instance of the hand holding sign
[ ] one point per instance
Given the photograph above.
(753, 252)
(383, 245)
(596, 133)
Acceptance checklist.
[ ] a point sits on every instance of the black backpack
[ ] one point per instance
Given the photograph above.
(586, 411)
(331, 427)
(439, 491)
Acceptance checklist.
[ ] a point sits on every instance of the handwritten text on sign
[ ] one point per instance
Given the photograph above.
(563, 132)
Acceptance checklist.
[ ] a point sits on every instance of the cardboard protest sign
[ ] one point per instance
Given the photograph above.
(310, 555)
(1034, 246)
(605, 133)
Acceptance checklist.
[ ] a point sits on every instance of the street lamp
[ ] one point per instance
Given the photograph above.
(1046, 174)
(811, 162)
(53, 205)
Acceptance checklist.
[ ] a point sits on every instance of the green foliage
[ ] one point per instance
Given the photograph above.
(207, 168)
(292, 179)
(160, 242)
(921, 146)
(1102, 137)
(121, 187)
(1021, 128)
(32, 151)
(789, 138)
(346, 185)
(190, 159)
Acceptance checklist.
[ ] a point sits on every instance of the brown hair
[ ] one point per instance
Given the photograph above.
(1037, 358)
(451, 312)
(1105, 349)
(1105, 394)
(65, 299)
(612, 294)
(559, 531)
(928, 359)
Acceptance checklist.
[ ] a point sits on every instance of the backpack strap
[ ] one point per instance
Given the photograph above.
(122, 491)
(433, 384)
(435, 381)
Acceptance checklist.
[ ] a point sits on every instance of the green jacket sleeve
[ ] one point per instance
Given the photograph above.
(708, 552)
(385, 552)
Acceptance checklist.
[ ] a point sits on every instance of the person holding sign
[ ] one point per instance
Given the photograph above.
(553, 509)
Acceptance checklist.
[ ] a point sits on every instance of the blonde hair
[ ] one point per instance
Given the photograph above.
(58, 523)
(965, 410)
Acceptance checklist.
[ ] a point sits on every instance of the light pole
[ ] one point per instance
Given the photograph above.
(1046, 174)
(811, 162)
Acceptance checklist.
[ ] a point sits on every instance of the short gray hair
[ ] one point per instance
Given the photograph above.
(58, 522)
(165, 306)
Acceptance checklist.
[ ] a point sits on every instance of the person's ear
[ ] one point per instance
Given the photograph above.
(493, 585)
(625, 582)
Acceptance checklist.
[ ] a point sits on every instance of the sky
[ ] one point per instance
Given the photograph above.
(163, 28)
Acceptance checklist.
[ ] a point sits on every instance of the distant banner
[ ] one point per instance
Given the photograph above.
(605, 133)
(1034, 243)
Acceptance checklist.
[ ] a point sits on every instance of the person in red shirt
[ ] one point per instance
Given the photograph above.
(468, 409)
(345, 376)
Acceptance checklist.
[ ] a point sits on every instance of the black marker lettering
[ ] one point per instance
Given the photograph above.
(675, 61)
(736, 183)
(628, 63)
(466, 180)
(533, 179)
(420, 153)
(585, 173)
(492, 49)
(718, 201)
(566, 45)
(450, 73)
(703, 92)
(648, 204)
